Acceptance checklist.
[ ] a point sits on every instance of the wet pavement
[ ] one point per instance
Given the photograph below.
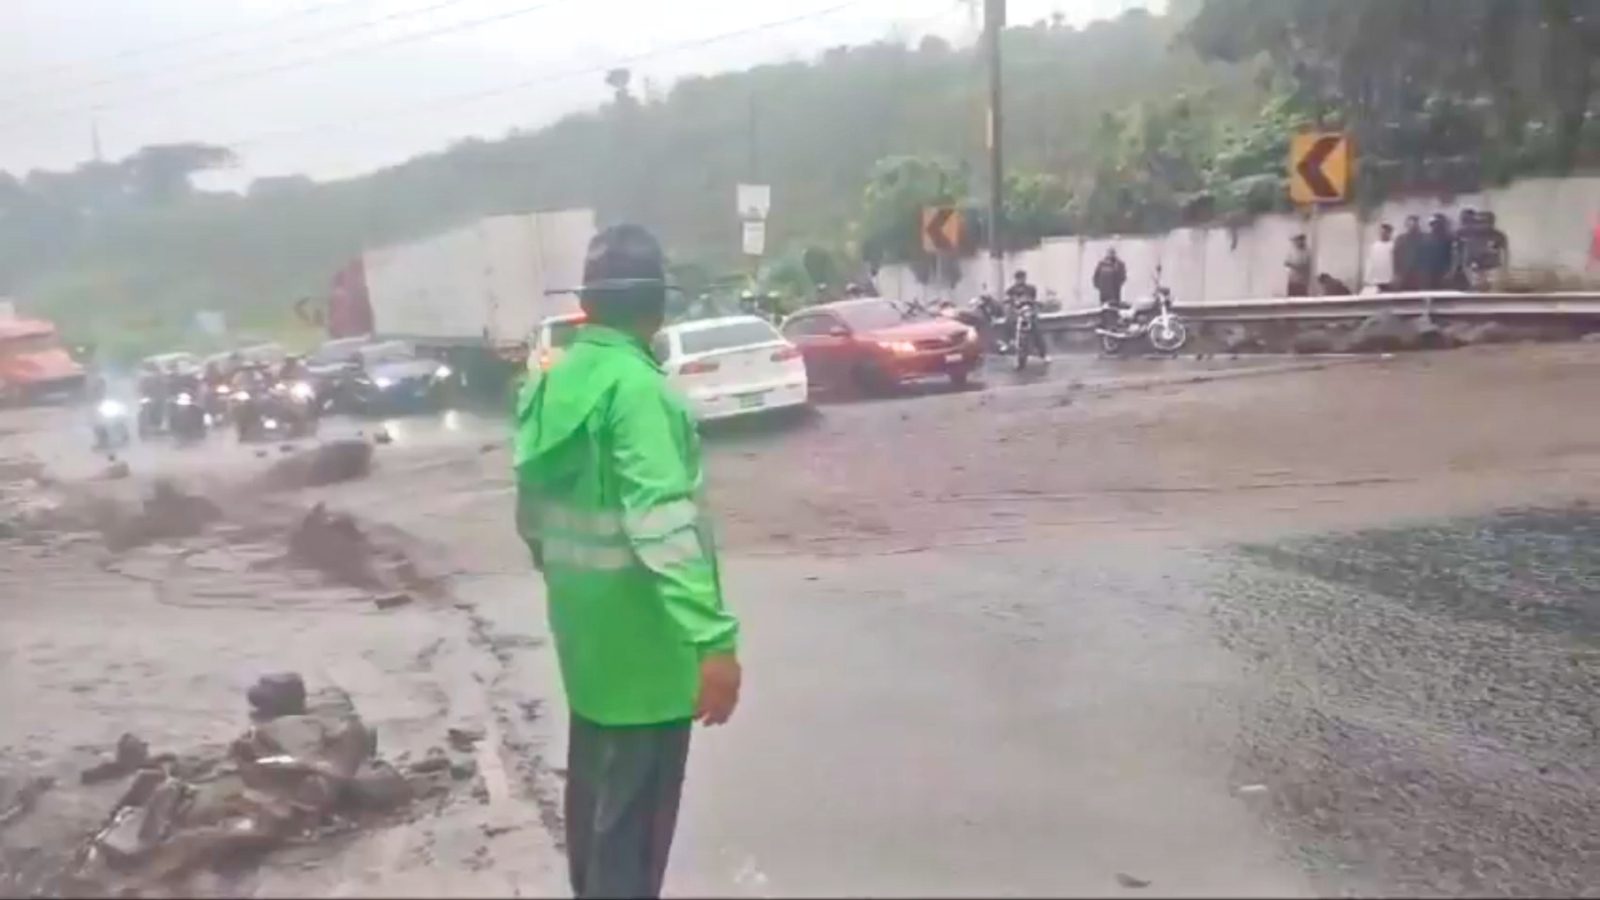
(1426, 721)
(1196, 627)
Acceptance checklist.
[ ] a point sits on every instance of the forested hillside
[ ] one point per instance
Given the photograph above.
(1135, 124)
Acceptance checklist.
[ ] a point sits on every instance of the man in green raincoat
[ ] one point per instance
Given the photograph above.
(608, 483)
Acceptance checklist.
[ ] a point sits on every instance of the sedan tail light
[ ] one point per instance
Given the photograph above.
(699, 367)
(786, 354)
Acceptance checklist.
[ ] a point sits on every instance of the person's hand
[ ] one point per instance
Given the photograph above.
(719, 688)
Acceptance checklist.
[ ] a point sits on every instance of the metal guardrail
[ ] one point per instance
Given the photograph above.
(1446, 304)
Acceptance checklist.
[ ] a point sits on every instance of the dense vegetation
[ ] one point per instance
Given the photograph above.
(1136, 124)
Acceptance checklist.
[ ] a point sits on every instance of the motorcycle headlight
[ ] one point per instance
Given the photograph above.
(443, 372)
(383, 381)
(241, 396)
(185, 400)
(111, 409)
(222, 389)
(302, 391)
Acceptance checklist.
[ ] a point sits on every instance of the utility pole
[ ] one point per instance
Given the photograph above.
(994, 13)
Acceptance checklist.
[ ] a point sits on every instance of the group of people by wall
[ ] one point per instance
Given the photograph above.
(1444, 256)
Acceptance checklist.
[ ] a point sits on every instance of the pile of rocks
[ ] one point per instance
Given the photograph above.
(304, 767)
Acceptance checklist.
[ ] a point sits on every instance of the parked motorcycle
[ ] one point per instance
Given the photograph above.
(1151, 319)
(987, 316)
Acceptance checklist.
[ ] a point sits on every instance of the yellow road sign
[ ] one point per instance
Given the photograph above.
(1319, 168)
(942, 230)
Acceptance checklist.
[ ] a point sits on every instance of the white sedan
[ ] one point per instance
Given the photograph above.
(732, 366)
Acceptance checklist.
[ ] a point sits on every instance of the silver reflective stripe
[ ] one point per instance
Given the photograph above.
(659, 521)
(682, 546)
(603, 523)
(563, 551)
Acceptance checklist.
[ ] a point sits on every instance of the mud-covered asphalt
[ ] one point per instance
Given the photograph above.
(1194, 629)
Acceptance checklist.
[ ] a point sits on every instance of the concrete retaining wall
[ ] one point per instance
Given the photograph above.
(1549, 221)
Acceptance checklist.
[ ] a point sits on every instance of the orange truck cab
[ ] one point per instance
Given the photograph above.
(33, 363)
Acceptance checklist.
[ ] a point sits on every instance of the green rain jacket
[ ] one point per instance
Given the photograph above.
(608, 481)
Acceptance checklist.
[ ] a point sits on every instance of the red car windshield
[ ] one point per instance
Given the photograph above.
(871, 315)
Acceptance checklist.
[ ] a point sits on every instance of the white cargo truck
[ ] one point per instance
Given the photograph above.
(474, 296)
(482, 285)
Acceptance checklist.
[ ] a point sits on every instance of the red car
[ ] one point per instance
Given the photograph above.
(871, 344)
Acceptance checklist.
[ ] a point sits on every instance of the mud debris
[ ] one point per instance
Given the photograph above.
(18, 799)
(287, 777)
(391, 601)
(275, 695)
(325, 464)
(131, 753)
(334, 544)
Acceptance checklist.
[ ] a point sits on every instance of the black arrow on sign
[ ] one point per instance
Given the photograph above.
(1310, 167)
(935, 230)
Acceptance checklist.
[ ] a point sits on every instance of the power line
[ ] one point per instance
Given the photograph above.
(231, 53)
(229, 77)
(302, 12)
(475, 96)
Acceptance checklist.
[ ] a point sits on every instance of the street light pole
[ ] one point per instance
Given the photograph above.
(994, 15)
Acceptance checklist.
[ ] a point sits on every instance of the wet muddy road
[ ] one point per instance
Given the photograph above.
(1184, 630)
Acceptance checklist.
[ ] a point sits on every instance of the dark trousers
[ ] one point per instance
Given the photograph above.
(1033, 342)
(623, 784)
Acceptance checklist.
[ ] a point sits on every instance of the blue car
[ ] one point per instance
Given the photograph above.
(394, 379)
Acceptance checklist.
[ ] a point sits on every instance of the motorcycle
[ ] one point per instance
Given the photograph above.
(111, 432)
(152, 413)
(187, 419)
(282, 410)
(1025, 332)
(986, 316)
(218, 394)
(1151, 318)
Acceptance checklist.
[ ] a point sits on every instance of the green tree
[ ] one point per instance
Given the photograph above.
(897, 192)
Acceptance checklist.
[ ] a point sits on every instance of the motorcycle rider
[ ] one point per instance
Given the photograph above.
(152, 396)
(1023, 296)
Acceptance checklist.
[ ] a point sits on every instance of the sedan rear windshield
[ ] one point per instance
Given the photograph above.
(727, 337)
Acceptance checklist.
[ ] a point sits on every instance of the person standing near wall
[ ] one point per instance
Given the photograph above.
(1408, 252)
(1438, 253)
(1298, 263)
(1379, 277)
(1110, 274)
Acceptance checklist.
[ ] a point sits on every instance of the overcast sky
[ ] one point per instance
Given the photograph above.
(333, 88)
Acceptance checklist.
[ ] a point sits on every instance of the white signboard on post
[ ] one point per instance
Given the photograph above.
(754, 201)
(755, 237)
